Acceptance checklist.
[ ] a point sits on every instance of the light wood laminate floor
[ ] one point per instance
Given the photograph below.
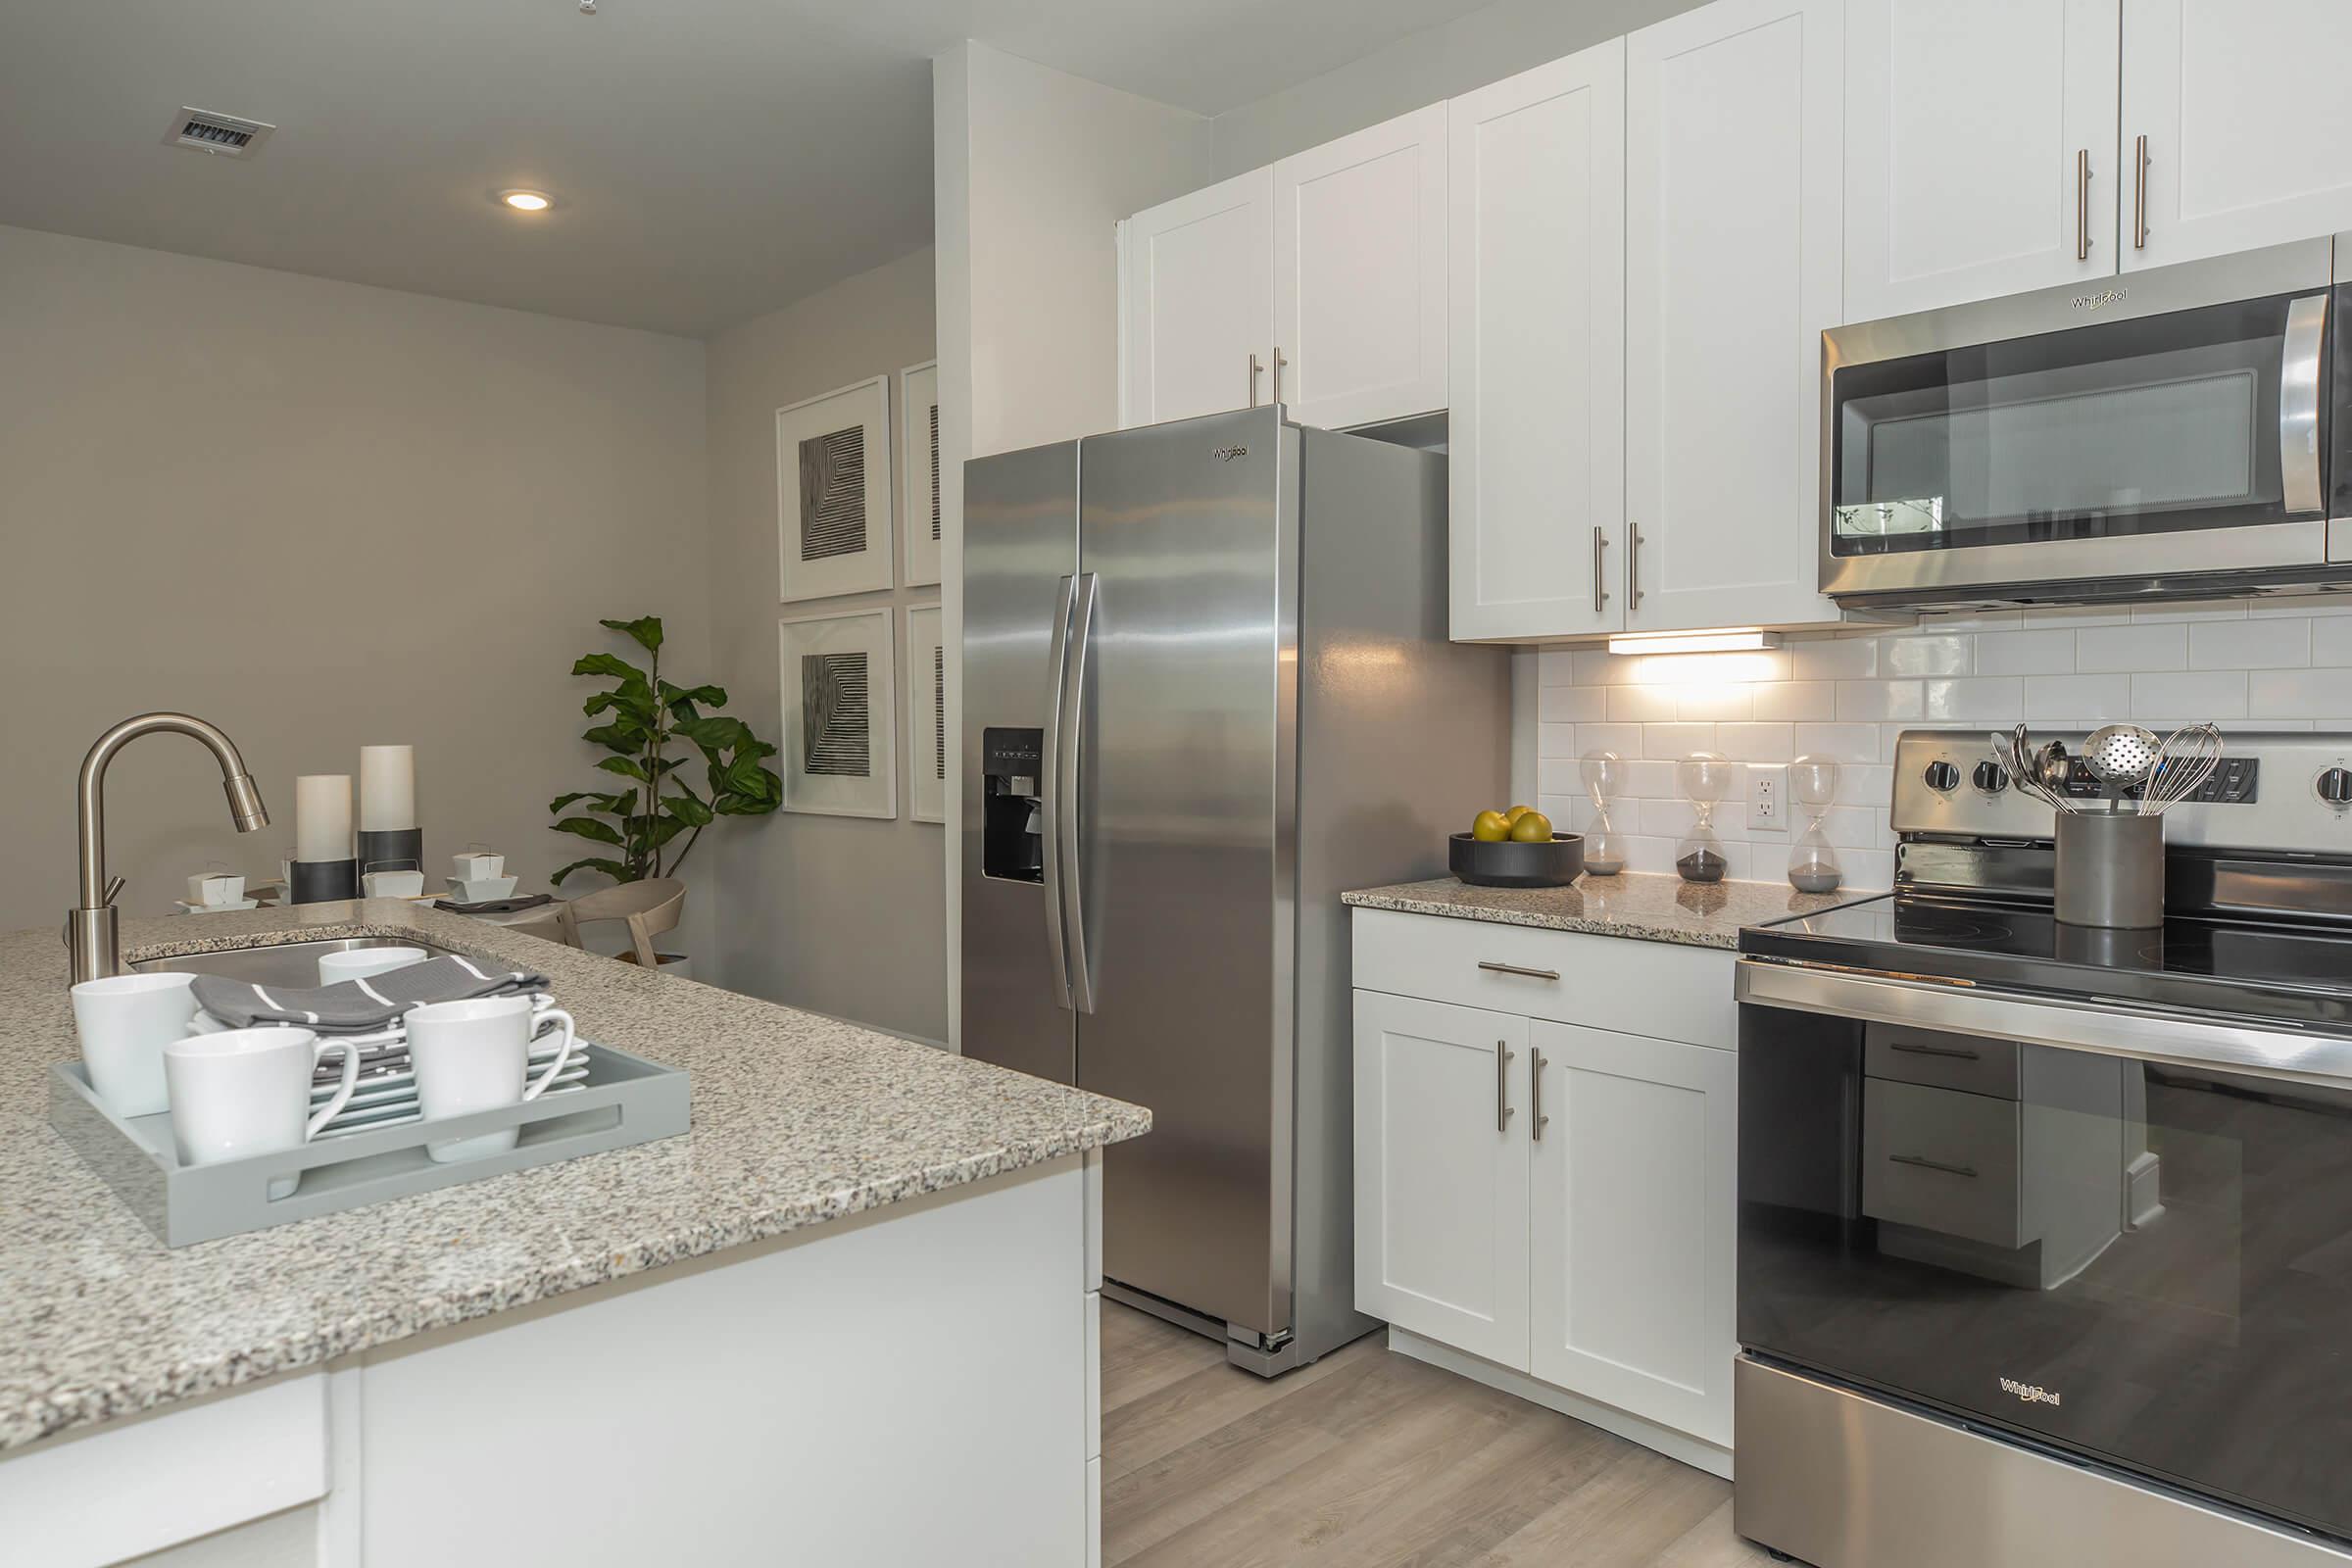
(1369, 1459)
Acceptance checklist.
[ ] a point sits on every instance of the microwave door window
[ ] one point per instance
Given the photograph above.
(2133, 428)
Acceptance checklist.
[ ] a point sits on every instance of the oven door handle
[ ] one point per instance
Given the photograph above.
(2299, 372)
(2108, 1026)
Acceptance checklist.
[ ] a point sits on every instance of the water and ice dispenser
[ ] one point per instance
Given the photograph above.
(1012, 841)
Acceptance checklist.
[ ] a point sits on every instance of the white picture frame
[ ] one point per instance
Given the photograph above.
(833, 493)
(839, 716)
(930, 753)
(918, 539)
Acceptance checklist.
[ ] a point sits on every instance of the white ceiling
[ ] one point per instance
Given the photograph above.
(715, 159)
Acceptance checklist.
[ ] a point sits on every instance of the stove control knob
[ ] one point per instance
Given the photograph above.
(2335, 786)
(1942, 777)
(1992, 777)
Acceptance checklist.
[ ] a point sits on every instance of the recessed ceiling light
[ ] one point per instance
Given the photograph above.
(528, 200)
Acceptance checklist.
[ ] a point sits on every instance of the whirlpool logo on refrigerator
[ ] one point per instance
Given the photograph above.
(2029, 1393)
(1228, 453)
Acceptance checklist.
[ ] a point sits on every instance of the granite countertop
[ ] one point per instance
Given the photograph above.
(797, 1119)
(1642, 905)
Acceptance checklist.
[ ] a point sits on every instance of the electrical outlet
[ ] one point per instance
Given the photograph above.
(1766, 787)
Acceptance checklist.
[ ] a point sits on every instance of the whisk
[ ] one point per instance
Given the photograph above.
(2182, 763)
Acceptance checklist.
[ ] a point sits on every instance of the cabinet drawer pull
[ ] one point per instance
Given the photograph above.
(1491, 967)
(2083, 205)
(2139, 195)
(1502, 1087)
(1633, 566)
(1254, 369)
(1601, 594)
(1924, 1163)
(1534, 1095)
(1962, 1052)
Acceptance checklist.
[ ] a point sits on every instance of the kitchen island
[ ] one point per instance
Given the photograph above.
(849, 1317)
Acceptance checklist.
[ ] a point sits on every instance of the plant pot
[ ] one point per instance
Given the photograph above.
(1511, 864)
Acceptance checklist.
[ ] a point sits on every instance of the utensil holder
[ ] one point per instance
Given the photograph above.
(2110, 869)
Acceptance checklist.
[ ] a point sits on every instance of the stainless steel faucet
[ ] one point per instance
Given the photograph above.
(93, 933)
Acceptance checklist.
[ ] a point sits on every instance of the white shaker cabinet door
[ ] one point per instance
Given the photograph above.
(1635, 1144)
(1536, 368)
(1980, 150)
(1441, 1172)
(1733, 189)
(1359, 274)
(2236, 127)
(1199, 295)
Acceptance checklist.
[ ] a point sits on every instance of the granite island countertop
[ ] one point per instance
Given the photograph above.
(1642, 905)
(797, 1119)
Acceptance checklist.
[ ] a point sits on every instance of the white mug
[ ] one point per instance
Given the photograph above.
(358, 964)
(248, 1092)
(476, 1055)
(125, 1021)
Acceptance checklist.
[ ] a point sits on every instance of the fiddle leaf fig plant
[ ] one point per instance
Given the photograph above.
(645, 719)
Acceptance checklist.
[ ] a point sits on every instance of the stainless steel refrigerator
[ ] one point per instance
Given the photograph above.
(1206, 690)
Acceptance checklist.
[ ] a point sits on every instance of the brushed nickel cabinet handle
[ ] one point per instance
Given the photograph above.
(1254, 370)
(2139, 195)
(1633, 566)
(1924, 1163)
(1534, 1095)
(1600, 593)
(1491, 967)
(2083, 205)
(1936, 1050)
(1502, 1088)
(1279, 362)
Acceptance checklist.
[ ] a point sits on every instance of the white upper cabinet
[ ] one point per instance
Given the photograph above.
(1980, 150)
(1197, 290)
(2241, 110)
(1359, 274)
(1634, 1193)
(1734, 259)
(1535, 372)
(1441, 1172)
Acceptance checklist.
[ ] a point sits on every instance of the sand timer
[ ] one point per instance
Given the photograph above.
(1705, 780)
(1605, 847)
(1813, 789)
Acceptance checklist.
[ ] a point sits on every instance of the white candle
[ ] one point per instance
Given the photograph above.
(387, 788)
(322, 816)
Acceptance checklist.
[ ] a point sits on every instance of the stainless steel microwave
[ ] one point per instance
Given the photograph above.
(2162, 434)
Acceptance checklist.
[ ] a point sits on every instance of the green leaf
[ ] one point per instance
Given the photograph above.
(625, 766)
(681, 700)
(620, 736)
(646, 629)
(561, 800)
(588, 827)
(716, 732)
(611, 868)
(611, 664)
(687, 809)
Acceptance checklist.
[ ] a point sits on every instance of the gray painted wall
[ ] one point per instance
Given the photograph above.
(321, 515)
(1432, 64)
(842, 914)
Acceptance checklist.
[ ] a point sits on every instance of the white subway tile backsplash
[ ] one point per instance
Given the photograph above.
(1975, 700)
(1947, 654)
(2283, 663)
(2130, 649)
(2023, 652)
(2249, 644)
(2091, 699)
(2190, 698)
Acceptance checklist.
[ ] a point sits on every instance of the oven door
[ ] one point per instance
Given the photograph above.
(2144, 1259)
(2173, 424)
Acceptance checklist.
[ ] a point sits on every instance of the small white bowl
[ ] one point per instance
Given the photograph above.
(482, 889)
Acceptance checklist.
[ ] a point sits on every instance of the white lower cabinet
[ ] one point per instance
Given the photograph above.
(1554, 1198)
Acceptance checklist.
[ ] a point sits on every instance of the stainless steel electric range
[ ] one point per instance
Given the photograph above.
(2045, 1232)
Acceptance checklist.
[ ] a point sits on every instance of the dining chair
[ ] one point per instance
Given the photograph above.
(649, 907)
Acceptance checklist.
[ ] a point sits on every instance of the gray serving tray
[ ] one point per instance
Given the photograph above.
(626, 1099)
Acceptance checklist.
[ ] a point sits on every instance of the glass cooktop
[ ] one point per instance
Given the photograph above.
(2277, 971)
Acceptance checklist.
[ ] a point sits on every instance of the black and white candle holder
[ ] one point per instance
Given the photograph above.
(396, 845)
(324, 881)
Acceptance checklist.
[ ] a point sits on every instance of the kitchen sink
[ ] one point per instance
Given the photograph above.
(292, 964)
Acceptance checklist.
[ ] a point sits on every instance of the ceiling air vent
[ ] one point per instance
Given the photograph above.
(223, 135)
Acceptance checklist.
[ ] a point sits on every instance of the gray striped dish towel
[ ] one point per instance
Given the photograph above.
(360, 1006)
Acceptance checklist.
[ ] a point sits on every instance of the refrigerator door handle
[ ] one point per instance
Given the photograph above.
(1048, 788)
(1072, 718)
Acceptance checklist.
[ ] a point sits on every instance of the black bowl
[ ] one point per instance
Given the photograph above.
(1509, 865)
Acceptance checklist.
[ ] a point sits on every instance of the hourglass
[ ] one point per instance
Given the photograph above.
(1604, 850)
(1813, 788)
(1705, 780)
